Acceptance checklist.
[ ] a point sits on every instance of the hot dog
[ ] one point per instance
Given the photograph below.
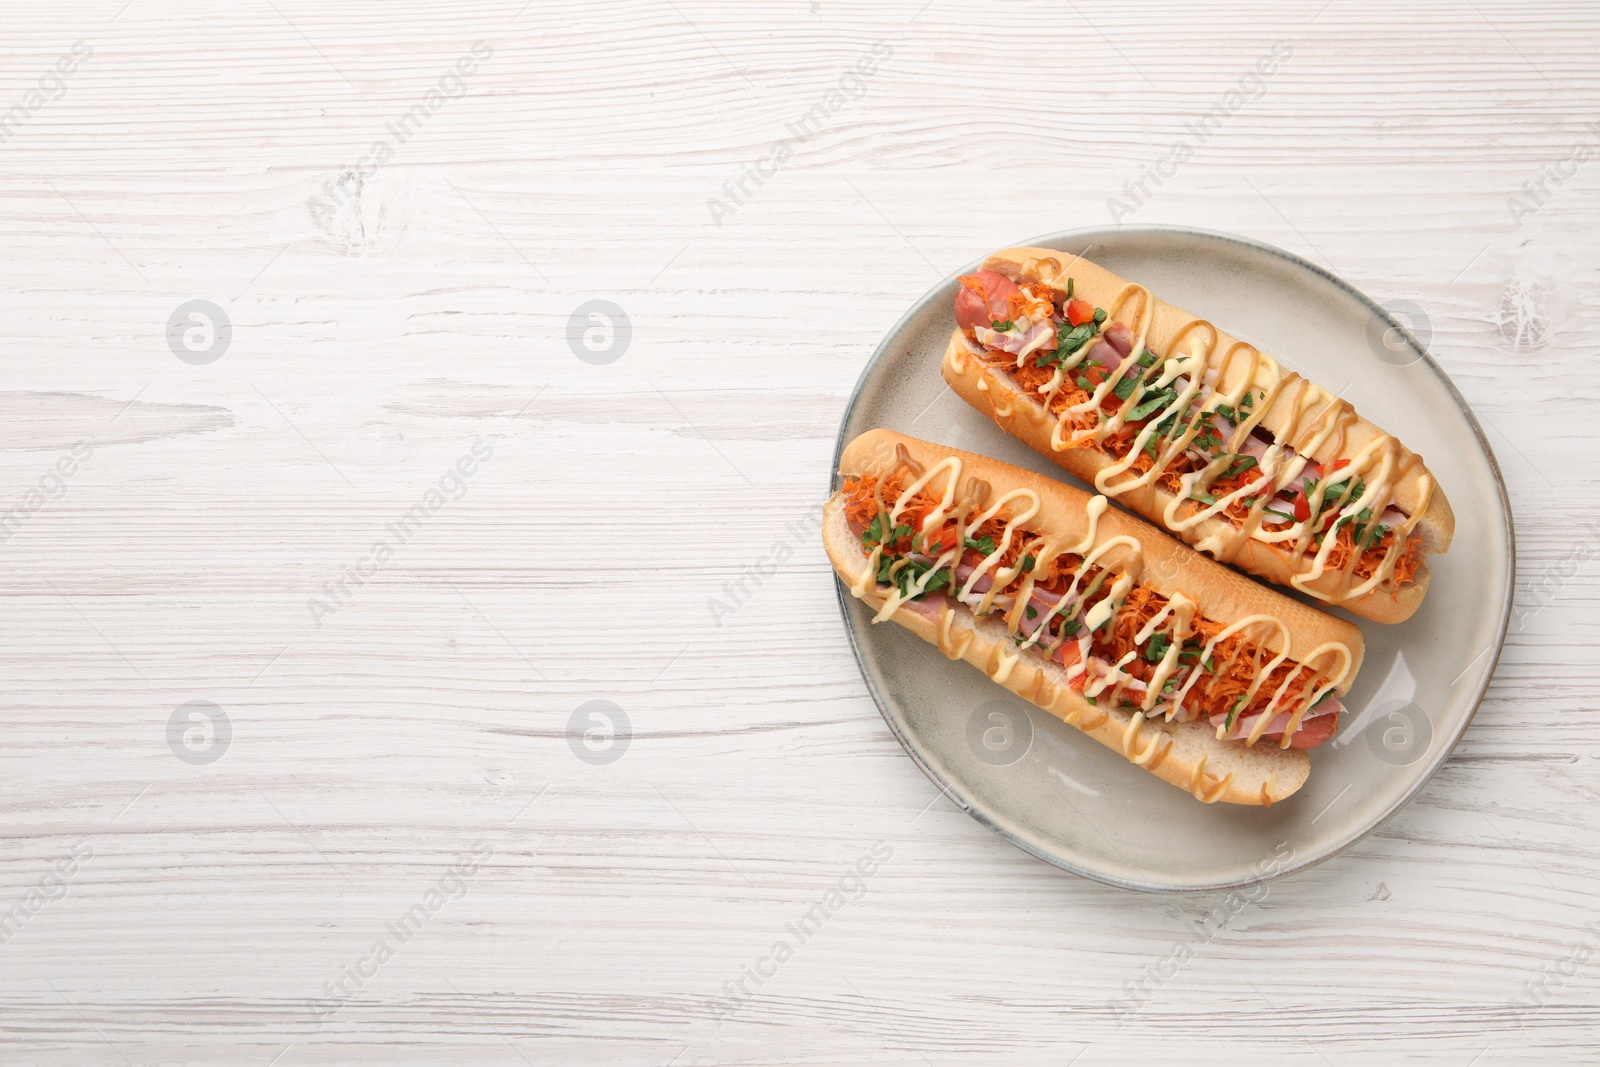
(1206, 679)
(1197, 431)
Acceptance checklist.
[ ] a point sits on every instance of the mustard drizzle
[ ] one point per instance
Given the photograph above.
(1317, 419)
(970, 512)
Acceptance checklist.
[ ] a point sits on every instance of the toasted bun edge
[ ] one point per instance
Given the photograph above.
(1194, 760)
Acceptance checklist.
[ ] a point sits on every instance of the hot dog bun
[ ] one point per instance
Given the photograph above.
(1190, 756)
(1294, 416)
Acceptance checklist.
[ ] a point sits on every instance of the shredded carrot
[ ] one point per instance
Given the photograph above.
(1030, 377)
(1405, 567)
(1235, 660)
(861, 507)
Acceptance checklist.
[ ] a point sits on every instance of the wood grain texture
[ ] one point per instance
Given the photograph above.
(376, 342)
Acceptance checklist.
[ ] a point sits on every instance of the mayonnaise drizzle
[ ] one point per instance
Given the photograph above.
(1317, 422)
(1120, 559)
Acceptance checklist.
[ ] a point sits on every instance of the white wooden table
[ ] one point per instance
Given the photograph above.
(398, 270)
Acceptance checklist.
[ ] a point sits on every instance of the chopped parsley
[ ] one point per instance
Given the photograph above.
(1151, 404)
(1002, 325)
(874, 535)
(910, 573)
(1033, 613)
(1333, 494)
(1233, 712)
(1244, 464)
(1171, 425)
(984, 544)
(1156, 650)
(1250, 502)
(1364, 534)
(1068, 343)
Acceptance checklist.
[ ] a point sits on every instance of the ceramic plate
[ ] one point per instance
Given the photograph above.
(1055, 793)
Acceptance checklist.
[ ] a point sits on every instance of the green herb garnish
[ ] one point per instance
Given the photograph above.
(1073, 339)
(1244, 464)
(912, 572)
(1149, 405)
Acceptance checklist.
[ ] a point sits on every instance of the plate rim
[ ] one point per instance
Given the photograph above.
(951, 790)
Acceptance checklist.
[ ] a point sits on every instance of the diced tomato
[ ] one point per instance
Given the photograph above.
(1302, 507)
(1340, 464)
(1095, 375)
(941, 541)
(1079, 312)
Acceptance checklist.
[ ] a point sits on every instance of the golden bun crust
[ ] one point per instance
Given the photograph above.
(1170, 566)
(1026, 418)
(1195, 760)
